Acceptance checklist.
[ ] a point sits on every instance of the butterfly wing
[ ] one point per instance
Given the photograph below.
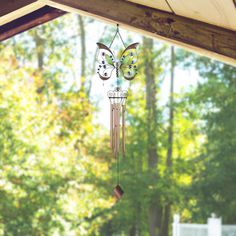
(128, 61)
(106, 62)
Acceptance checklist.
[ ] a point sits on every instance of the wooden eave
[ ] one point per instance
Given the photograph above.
(28, 21)
(201, 37)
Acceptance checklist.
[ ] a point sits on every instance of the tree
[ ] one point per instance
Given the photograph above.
(216, 97)
(82, 51)
(151, 106)
(47, 181)
(167, 207)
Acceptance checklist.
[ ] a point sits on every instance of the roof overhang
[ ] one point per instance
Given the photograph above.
(21, 15)
(218, 42)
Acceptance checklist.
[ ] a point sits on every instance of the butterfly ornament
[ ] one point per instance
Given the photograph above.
(123, 65)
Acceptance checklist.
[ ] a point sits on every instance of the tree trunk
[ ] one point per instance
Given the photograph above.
(151, 107)
(132, 231)
(171, 113)
(39, 42)
(106, 230)
(151, 104)
(82, 52)
(40, 50)
(167, 209)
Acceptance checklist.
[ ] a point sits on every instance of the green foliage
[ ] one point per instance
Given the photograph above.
(216, 97)
(47, 176)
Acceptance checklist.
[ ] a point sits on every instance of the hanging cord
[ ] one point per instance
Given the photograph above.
(120, 36)
(113, 39)
(117, 33)
(118, 170)
(117, 77)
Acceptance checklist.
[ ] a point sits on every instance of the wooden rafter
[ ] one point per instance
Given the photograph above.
(11, 6)
(209, 40)
(14, 9)
(29, 21)
(234, 1)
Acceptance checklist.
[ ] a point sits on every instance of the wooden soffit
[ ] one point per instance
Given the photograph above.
(164, 19)
(207, 39)
(17, 16)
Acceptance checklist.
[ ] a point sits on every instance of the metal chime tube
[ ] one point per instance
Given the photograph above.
(111, 124)
(118, 128)
(123, 130)
(115, 126)
(114, 133)
(117, 121)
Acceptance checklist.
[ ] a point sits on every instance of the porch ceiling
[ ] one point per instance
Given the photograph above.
(207, 27)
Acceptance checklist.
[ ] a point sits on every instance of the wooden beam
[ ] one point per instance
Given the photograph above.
(234, 1)
(13, 9)
(200, 37)
(29, 21)
(13, 5)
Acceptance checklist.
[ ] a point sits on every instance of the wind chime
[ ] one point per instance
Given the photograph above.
(124, 65)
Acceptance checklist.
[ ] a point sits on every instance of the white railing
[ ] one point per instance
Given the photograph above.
(213, 227)
(228, 230)
(193, 230)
